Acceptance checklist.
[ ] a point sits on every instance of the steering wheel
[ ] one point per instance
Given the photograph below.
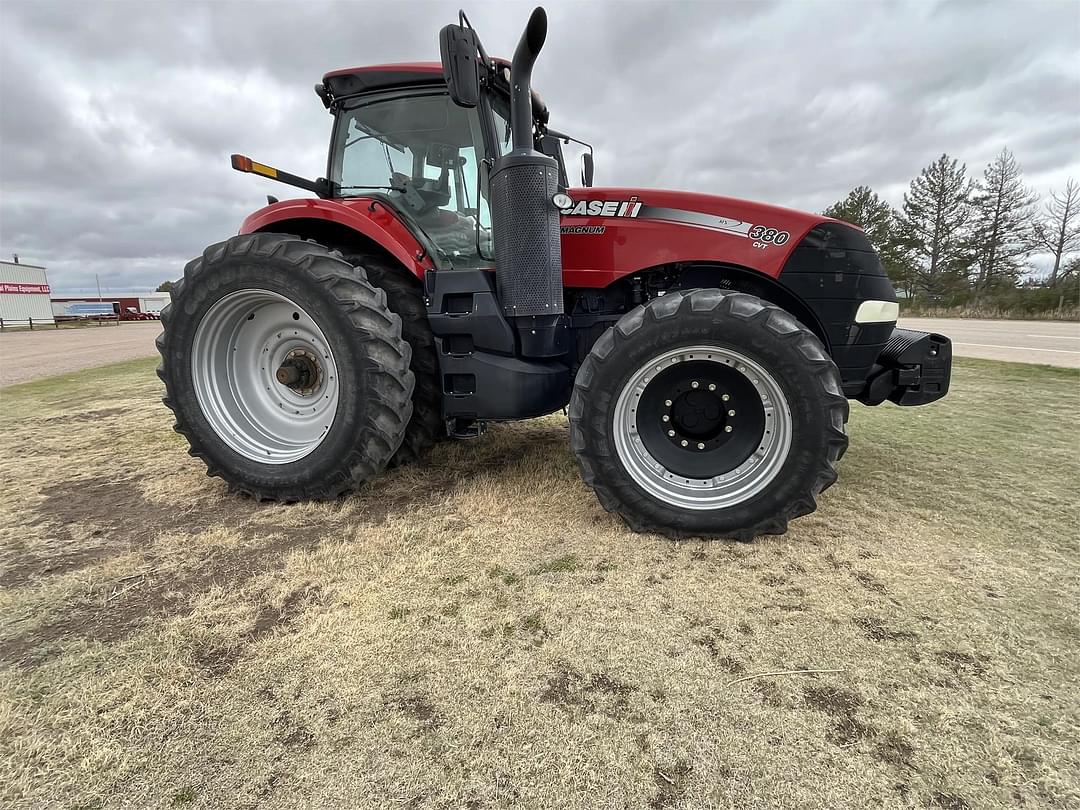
(419, 198)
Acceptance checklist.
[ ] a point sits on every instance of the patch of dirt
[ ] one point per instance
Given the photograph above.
(709, 643)
(216, 661)
(570, 689)
(419, 708)
(836, 563)
(114, 512)
(894, 749)
(834, 700)
(950, 801)
(842, 704)
(128, 607)
(732, 665)
(876, 630)
(963, 663)
(870, 582)
(83, 417)
(769, 693)
(26, 567)
(671, 783)
(293, 732)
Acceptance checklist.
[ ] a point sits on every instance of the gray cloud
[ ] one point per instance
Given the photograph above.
(118, 117)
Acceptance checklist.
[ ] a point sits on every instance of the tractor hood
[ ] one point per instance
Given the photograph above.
(614, 231)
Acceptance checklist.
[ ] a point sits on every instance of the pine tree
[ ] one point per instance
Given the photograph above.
(934, 226)
(1058, 230)
(863, 207)
(1002, 233)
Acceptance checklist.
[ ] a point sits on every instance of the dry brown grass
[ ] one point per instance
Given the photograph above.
(479, 633)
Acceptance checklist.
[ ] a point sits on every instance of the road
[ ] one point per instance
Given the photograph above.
(26, 356)
(1052, 343)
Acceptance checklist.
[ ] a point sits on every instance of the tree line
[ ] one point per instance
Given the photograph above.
(967, 243)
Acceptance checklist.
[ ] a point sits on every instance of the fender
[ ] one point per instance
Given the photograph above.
(367, 216)
(608, 233)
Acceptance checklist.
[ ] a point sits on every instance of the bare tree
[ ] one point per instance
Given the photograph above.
(1002, 233)
(1058, 230)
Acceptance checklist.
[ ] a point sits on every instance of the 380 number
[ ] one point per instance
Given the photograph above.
(770, 235)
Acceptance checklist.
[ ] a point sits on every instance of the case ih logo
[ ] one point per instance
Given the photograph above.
(24, 289)
(596, 208)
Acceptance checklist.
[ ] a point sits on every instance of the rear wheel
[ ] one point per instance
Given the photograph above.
(708, 413)
(286, 371)
(405, 298)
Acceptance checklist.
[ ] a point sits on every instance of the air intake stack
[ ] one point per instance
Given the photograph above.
(528, 253)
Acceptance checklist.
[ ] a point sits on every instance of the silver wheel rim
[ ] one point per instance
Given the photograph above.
(722, 491)
(241, 346)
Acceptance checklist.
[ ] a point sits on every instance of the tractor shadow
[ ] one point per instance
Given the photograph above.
(503, 454)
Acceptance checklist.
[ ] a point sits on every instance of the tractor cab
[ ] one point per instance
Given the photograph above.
(399, 135)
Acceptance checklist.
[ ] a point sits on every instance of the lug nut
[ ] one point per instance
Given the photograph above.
(727, 429)
(700, 446)
(671, 433)
(684, 442)
(731, 412)
(712, 386)
(666, 418)
(694, 384)
(725, 397)
(667, 402)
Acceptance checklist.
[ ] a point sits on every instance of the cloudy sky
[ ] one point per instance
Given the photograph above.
(117, 118)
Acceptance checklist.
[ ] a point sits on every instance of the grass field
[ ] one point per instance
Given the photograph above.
(478, 633)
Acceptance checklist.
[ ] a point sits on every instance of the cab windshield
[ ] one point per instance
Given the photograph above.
(423, 151)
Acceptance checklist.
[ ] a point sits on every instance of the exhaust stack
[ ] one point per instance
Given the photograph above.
(528, 252)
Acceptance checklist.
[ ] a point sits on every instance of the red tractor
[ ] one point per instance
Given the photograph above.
(445, 276)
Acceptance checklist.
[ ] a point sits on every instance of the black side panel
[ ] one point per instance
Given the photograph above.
(489, 387)
(482, 376)
(462, 309)
(833, 270)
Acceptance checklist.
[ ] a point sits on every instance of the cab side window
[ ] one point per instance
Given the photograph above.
(425, 150)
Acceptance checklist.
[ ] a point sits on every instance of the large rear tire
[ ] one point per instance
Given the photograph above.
(708, 413)
(285, 370)
(405, 298)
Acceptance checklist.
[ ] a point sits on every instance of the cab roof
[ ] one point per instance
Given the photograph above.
(350, 81)
(355, 80)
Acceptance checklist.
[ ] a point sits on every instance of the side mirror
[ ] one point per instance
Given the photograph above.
(460, 53)
(587, 170)
(552, 147)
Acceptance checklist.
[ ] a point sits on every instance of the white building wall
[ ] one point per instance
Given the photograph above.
(154, 302)
(24, 293)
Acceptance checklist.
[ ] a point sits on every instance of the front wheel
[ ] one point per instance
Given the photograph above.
(708, 413)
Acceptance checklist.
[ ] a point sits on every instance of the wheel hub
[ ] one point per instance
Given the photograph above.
(301, 372)
(703, 427)
(265, 376)
(701, 415)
